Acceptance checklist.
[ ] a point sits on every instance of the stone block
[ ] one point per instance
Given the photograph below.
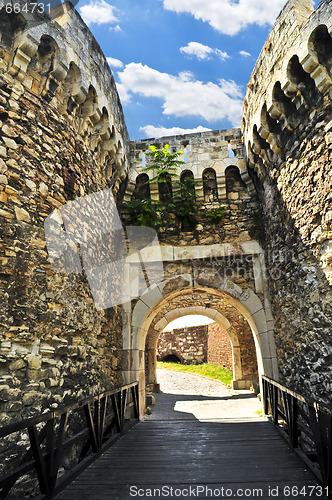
(10, 143)
(139, 313)
(36, 375)
(22, 215)
(3, 166)
(31, 399)
(6, 215)
(151, 296)
(17, 365)
(34, 362)
(30, 184)
(43, 189)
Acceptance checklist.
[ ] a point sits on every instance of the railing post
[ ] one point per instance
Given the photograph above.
(135, 398)
(294, 425)
(275, 405)
(329, 455)
(265, 396)
(40, 464)
(46, 444)
(97, 423)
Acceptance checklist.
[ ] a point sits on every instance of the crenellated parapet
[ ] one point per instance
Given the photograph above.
(202, 153)
(292, 72)
(287, 119)
(56, 59)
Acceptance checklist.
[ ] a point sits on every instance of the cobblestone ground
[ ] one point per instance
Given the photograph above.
(186, 396)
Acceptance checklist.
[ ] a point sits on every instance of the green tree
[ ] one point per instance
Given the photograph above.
(177, 206)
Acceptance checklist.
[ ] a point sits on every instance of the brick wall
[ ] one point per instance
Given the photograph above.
(219, 347)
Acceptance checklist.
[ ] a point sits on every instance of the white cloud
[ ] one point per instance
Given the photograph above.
(202, 51)
(98, 12)
(182, 95)
(115, 63)
(115, 28)
(229, 16)
(244, 53)
(152, 131)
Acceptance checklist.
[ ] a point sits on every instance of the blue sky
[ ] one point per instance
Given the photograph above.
(180, 65)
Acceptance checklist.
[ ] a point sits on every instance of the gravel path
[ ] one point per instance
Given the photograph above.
(186, 396)
(172, 382)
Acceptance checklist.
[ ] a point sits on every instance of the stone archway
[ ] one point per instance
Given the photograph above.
(245, 371)
(152, 303)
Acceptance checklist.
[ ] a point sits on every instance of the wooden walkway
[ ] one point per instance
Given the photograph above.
(219, 458)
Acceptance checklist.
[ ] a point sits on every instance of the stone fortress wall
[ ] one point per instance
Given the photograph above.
(287, 127)
(62, 136)
(197, 344)
(188, 345)
(262, 273)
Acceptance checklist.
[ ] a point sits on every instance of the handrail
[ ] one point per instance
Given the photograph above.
(52, 436)
(305, 424)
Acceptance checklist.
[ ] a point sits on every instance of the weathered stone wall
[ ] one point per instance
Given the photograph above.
(62, 135)
(219, 347)
(287, 129)
(197, 344)
(188, 344)
(207, 151)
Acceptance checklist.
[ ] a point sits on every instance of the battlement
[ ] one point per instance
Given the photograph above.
(290, 64)
(56, 59)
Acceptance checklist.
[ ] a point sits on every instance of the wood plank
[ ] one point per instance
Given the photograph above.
(179, 453)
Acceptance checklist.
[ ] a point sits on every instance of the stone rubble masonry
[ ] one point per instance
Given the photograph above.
(197, 344)
(188, 344)
(62, 135)
(287, 126)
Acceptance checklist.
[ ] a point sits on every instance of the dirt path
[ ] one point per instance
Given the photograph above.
(186, 396)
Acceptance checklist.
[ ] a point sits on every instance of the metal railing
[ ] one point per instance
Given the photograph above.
(82, 430)
(305, 424)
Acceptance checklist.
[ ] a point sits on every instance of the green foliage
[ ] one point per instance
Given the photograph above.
(179, 207)
(185, 206)
(163, 162)
(206, 369)
(215, 215)
(147, 213)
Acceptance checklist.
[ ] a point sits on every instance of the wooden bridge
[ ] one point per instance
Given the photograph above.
(173, 454)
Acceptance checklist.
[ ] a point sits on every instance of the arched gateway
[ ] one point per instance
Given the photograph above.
(242, 311)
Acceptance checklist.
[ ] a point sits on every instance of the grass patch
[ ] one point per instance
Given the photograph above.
(206, 369)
